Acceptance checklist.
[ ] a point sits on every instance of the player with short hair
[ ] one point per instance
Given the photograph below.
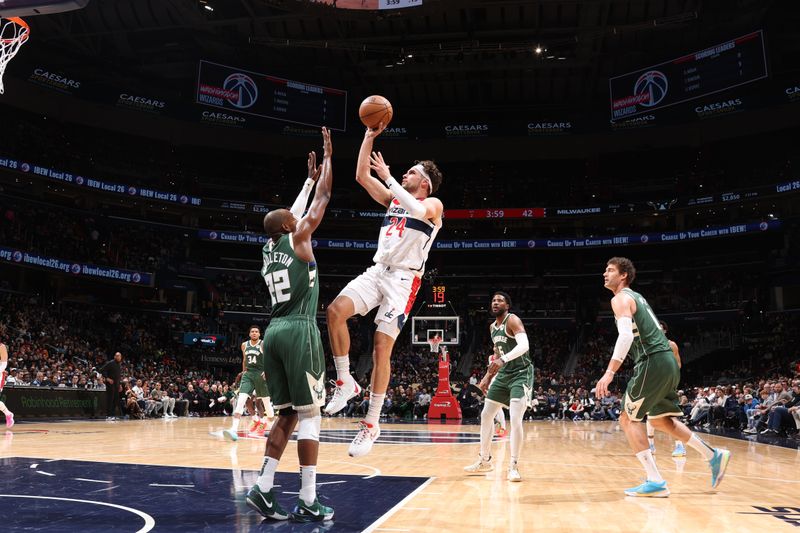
(3, 375)
(251, 382)
(511, 377)
(652, 391)
(413, 218)
(295, 363)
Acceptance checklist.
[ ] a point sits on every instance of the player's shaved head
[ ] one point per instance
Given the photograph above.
(274, 222)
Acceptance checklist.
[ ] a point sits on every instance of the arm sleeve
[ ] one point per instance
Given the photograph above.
(519, 349)
(299, 205)
(624, 339)
(406, 199)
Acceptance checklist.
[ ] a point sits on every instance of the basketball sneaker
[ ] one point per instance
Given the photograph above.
(480, 465)
(265, 504)
(718, 464)
(366, 436)
(230, 435)
(316, 512)
(649, 489)
(513, 472)
(679, 451)
(10, 420)
(254, 426)
(341, 395)
(259, 431)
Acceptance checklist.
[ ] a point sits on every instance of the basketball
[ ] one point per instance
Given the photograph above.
(374, 110)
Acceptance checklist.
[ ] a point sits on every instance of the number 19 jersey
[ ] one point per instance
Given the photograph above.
(292, 282)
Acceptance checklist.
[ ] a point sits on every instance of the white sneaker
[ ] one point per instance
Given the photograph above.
(480, 466)
(513, 473)
(341, 395)
(366, 436)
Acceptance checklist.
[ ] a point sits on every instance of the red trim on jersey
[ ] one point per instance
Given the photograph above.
(413, 296)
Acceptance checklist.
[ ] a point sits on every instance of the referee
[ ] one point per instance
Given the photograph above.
(112, 371)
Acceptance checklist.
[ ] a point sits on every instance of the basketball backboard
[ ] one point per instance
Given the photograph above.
(28, 8)
(424, 328)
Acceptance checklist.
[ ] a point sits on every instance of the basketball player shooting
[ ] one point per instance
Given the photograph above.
(413, 218)
(652, 389)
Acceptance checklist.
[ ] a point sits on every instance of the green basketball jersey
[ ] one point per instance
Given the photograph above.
(292, 282)
(254, 356)
(504, 343)
(647, 335)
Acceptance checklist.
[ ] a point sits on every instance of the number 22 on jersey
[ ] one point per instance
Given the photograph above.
(279, 286)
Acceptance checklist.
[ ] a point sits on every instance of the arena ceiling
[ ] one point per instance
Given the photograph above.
(446, 55)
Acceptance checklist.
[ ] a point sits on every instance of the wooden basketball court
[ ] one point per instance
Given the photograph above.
(573, 477)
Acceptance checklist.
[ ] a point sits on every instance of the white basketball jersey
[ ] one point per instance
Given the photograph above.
(405, 241)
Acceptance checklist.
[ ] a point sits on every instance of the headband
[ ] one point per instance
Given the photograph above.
(419, 168)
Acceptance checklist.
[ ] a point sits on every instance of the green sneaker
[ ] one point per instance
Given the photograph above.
(266, 504)
(316, 512)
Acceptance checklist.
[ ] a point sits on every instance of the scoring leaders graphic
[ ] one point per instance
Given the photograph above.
(714, 69)
(266, 96)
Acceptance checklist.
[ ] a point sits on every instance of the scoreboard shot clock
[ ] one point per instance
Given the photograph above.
(435, 318)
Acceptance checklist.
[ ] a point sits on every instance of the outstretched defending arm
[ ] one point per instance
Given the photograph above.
(322, 196)
(299, 205)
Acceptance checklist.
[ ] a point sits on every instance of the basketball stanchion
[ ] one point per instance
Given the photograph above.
(14, 33)
(443, 405)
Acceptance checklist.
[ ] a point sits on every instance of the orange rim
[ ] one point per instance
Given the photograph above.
(22, 36)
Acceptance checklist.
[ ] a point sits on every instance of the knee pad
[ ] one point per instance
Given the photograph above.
(308, 425)
(241, 400)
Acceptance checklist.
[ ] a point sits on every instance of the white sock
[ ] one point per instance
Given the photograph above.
(490, 408)
(698, 444)
(651, 441)
(266, 478)
(678, 443)
(235, 423)
(342, 363)
(516, 411)
(308, 484)
(646, 458)
(4, 409)
(375, 405)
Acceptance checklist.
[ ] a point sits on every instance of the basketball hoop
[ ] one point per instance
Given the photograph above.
(434, 342)
(13, 33)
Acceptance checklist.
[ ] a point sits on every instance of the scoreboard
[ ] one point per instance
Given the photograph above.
(714, 69)
(262, 95)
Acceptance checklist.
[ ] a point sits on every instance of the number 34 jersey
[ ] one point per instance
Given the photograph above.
(292, 282)
(404, 241)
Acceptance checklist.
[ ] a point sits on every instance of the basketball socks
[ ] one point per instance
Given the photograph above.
(4, 409)
(487, 428)
(699, 444)
(646, 458)
(651, 434)
(342, 363)
(308, 484)
(375, 406)
(266, 478)
(516, 412)
(235, 423)
(268, 410)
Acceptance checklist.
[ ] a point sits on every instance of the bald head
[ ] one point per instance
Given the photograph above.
(278, 222)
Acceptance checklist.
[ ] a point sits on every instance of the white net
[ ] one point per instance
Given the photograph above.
(434, 343)
(13, 33)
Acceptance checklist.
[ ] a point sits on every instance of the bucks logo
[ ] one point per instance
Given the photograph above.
(317, 387)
